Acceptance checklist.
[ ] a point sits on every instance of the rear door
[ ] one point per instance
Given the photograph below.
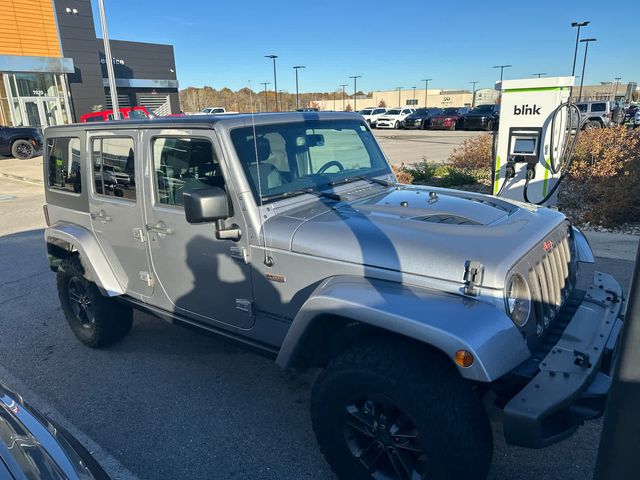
(198, 275)
(115, 204)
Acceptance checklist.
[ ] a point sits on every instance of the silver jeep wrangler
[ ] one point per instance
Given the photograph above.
(288, 232)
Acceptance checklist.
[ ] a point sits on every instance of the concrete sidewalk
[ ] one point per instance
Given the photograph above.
(23, 170)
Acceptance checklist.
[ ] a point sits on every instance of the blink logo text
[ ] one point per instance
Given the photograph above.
(526, 110)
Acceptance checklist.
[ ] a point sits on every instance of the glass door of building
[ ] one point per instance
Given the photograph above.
(41, 111)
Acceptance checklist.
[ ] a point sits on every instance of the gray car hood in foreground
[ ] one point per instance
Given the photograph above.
(416, 230)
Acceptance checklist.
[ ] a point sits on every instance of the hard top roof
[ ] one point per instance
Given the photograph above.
(227, 121)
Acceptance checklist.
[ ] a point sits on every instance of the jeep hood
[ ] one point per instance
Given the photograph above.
(417, 230)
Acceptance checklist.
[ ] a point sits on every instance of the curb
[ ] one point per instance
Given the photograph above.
(20, 178)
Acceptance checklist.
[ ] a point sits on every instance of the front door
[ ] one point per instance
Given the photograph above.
(198, 275)
(115, 203)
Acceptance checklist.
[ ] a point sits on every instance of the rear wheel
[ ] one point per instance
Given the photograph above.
(591, 124)
(489, 125)
(22, 149)
(393, 410)
(95, 319)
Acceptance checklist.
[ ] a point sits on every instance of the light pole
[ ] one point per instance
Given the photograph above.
(296, 68)
(615, 93)
(108, 60)
(502, 67)
(473, 98)
(355, 91)
(577, 25)
(280, 92)
(334, 101)
(426, 88)
(399, 92)
(343, 87)
(275, 78)
(586, 42)
(538, 74)
(266, 99)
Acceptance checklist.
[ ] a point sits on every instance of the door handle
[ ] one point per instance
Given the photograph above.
(160, 228)
(101, 216)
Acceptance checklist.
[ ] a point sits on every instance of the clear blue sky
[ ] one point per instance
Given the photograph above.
(391, 44)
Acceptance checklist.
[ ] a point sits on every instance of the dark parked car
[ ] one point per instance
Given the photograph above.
(449, 119)
(630, 113)
(32, 446)
(421, 118)
(482, 117)
(20, 142)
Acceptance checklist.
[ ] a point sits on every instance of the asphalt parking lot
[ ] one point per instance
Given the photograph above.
(170, 403)
(413, 146)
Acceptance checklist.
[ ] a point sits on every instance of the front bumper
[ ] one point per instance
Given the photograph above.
(572, 381)
(385, 124)
(475, 123)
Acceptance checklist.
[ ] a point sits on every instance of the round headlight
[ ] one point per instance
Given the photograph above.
(518, 298)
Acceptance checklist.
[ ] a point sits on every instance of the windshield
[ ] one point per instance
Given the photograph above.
(393, 112)
(137, 114)
(483, 109)
(306, 155)
(365, 112)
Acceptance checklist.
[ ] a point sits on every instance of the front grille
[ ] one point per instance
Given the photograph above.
(551, 281)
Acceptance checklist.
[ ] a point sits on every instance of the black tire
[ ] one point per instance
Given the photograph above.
(96, 320)
(22, 149)
(489, 125)
(433, 402)
(396, 125)
(591, 124)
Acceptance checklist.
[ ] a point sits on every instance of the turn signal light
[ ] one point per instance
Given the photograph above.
(464, 358)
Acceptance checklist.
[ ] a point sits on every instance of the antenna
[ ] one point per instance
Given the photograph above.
(268, 260)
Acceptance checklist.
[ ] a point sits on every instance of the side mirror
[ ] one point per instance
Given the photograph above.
(206, 205)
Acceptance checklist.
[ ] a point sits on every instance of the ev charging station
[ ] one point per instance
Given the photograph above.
(537, 133)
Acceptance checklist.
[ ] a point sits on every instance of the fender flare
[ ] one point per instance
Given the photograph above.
(97, 268)
(445, 321)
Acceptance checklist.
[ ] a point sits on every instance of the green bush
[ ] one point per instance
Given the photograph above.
(439, 175)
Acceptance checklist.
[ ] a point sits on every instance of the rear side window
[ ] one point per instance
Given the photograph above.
(599, 107)
(63, 157)
(582, 107)
(114, 167)
(183, 163)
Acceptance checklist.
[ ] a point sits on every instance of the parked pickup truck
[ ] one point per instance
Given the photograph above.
(289, 232)
(213, 111)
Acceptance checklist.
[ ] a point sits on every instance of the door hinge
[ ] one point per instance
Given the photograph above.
(240, 253)
(244, 305)
(147, 278)
(139, 235)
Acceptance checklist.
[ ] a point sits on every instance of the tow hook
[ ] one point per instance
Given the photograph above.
(581, 359)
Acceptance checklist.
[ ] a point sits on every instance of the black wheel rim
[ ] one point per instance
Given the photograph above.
(81, 304)
(23, 150)
(384, 439)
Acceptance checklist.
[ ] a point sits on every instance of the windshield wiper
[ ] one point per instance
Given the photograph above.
(355, 179)
(293, 193)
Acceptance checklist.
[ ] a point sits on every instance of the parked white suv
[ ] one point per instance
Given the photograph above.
(394, 117)
(371, 114)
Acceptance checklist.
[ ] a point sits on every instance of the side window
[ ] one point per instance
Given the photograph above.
(63, 157)
(582, 107)
(181, 163)
(114, 167)
(599, 107)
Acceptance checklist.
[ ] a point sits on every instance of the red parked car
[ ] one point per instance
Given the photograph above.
(449, 119)
(126, 113)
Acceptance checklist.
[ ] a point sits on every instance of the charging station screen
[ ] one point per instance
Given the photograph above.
(525, 145)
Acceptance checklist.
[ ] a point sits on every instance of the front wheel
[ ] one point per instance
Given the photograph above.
(396, 125)
(395, 410)
(591, 124)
